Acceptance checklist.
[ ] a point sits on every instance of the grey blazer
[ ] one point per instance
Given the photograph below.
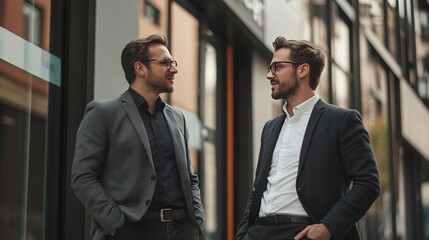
(337, 177)
(112, 172)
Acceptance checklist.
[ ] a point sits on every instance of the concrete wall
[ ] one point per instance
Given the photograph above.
(116, 25)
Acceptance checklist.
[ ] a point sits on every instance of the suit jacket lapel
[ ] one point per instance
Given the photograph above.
(177, 140)
(273, 133)
(312, 122)
(176, 123)
(269, 139)
(133, 113)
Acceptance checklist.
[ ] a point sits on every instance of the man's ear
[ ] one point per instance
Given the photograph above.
(140, 69)
(303, 70)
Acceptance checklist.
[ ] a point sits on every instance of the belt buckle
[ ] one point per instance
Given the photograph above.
(161, 214)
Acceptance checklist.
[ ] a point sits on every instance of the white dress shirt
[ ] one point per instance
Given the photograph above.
(281, 196)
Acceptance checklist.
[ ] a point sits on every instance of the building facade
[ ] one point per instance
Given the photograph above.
(57, 55)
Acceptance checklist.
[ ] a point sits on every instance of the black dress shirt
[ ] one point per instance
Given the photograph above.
(168, 192)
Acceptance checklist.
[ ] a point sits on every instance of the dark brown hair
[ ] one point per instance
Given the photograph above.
(138, 50)
(304, 52)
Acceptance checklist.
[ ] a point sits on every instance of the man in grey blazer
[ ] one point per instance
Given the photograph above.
(132, 168)
(316, 174)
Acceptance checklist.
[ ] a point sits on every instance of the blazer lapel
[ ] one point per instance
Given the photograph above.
(269, 139)
(135, 118)
(273, 133)
(179, 146)
(312, 122)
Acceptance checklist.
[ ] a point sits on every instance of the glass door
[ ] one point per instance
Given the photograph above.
(28, 73)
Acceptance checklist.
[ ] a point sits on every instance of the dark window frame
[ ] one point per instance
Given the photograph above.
(152, 13)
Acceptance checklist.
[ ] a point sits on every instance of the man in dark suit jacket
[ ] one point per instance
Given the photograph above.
(316, 174)
(132, 168)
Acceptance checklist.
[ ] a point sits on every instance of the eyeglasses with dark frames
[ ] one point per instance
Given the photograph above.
(167, 62)
(273, 66)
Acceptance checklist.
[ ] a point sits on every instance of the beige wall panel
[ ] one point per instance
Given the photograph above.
(414, 119)
(185, 52)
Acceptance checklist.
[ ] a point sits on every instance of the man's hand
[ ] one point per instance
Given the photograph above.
(113, 233)
(315, 231)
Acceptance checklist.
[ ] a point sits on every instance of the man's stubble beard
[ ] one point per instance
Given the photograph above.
(286, 91)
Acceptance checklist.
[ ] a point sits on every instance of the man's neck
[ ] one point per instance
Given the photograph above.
(297, 100)
(150, 97)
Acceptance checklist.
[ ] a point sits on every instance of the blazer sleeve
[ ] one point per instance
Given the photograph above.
(360, 166)
(90, 153)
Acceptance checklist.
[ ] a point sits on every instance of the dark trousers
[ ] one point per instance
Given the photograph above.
(286, 231)
(148, 229)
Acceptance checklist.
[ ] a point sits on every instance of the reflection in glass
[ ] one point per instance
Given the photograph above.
(151, 13)
(342, 93)
(320, 39)
(33, 23)
(23, 123)
(392, 29)
(23, 112)
(422, 53)
(341, 87)
(378, 221)
(341, 47)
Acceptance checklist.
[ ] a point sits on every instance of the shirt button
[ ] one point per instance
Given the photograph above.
(153, 178)
(299, 189)
(147, 202)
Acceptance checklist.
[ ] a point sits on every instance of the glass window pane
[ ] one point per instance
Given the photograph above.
(151, 13)
(23, 120)
(374, 78)
(320, 39)
(341, 52)
(341, 47)
(422, 53)
(392, 26)
(32, 22)
(27, 72)
(341, 87)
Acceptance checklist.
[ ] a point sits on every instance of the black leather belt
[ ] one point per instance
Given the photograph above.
(166, 214)
(281, 219)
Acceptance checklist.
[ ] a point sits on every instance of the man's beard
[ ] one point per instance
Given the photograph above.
(160, 85)
(286, 90)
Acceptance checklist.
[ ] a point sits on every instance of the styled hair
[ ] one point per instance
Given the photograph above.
(304, 52)
(138, 50)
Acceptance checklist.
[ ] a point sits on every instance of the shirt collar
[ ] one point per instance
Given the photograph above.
(142, 103)
(303, 107)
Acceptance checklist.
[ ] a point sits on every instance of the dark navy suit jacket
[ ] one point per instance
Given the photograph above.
(337, 179)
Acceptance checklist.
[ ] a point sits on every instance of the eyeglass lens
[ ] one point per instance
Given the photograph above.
(272, 68)
(168, 63)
